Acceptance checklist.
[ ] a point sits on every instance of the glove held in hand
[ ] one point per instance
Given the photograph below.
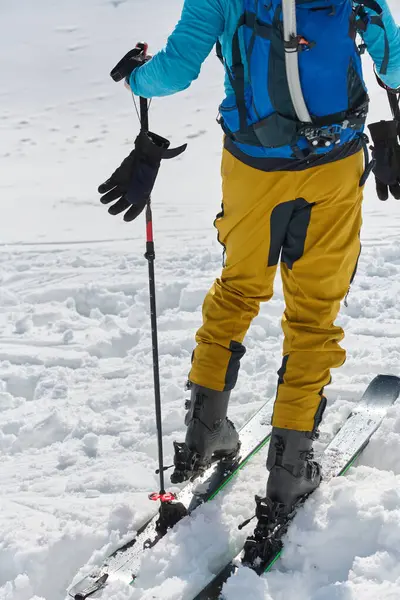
(386, 153)
(132, 183)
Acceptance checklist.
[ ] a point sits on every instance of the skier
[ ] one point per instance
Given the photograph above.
(292, 189)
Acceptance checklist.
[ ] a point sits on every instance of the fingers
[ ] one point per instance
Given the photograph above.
(382, 190)
(395, 190)
(106, 186)
(112, 195)
(119, 206)
(133, 212)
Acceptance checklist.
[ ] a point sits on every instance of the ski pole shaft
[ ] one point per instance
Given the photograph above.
(150, 256)
(394, 101)
(144, 114)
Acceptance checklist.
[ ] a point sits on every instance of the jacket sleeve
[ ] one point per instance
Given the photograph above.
(374, 39)
(178, 64)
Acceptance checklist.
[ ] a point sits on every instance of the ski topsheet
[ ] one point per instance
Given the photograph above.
(124, 563)
(340, 454)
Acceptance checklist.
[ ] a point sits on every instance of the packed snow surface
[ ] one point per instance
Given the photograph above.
(77, 428)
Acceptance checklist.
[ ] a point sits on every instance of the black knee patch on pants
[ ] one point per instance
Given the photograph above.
(238, 351)
(320, 412)
(282, 370)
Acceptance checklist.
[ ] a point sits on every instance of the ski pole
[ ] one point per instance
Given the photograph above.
(394, 104)
(394, 101)
(119, 72)
(150, 256)
(170, 511)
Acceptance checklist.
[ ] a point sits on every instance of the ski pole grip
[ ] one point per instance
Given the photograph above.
(129, 62)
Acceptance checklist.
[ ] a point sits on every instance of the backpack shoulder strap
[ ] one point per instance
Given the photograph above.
(292, 60)
(236, 73)
(363, 20)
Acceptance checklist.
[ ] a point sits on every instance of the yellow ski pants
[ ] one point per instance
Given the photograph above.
(311, 221)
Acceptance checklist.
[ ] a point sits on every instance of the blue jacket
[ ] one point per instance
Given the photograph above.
(203, 22)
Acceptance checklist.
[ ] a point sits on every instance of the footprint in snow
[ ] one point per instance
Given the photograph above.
(192, 136)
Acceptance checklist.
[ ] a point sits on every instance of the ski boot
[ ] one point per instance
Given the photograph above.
(292, 472)
(293, 475)
(210, 435)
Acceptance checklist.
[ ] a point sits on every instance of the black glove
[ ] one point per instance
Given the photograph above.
(132, 183)
(386, 153)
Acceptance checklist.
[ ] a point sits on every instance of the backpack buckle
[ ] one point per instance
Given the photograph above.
(322, 137)
(298, 43)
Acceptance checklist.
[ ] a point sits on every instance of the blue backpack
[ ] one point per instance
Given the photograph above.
(261, 112)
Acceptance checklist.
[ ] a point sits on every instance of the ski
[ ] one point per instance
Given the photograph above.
(123, 564)
(347, 445)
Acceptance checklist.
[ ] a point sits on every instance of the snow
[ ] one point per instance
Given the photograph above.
(77, 428)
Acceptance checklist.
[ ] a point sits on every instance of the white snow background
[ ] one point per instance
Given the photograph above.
(77, 428)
